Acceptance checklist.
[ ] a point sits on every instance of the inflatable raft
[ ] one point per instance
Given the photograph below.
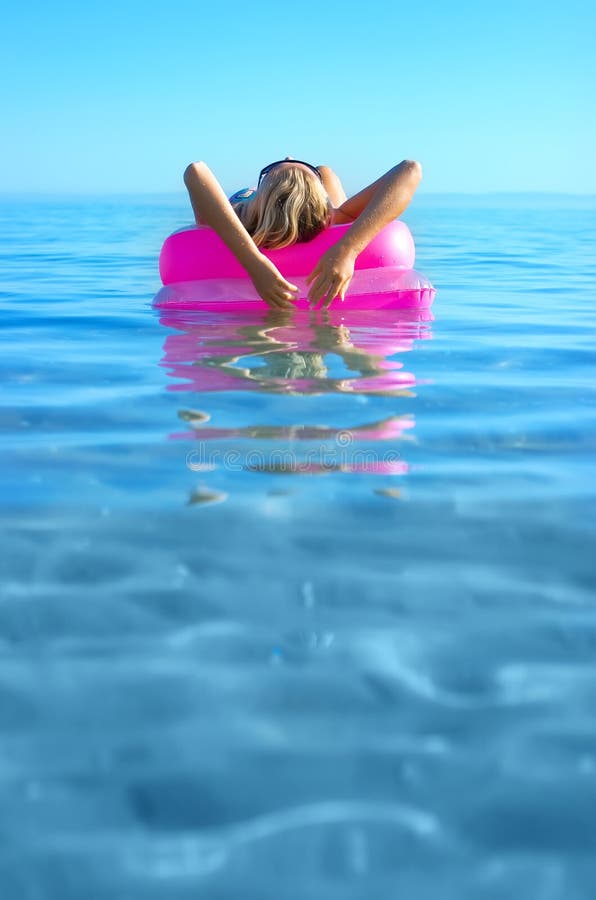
(200, 272)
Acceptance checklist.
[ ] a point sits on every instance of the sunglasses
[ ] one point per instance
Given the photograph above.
(280, 162)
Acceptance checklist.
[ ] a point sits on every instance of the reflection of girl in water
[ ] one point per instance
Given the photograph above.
(311, 367)
(293, 365)
(282, 354)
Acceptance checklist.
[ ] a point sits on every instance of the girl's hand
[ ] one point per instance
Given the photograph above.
(331, 276)
(271, 286)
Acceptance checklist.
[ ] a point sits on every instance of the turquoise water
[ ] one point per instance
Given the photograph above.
(298, 607)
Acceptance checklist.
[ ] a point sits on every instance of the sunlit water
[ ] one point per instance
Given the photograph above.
(298, 607)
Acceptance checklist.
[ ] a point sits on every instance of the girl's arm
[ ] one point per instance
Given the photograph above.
(211, 207)
(369, 211)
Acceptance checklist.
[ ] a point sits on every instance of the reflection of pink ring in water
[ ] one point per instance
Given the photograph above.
(388, 429)
(206, 351)
(372, 467)
(200, 272)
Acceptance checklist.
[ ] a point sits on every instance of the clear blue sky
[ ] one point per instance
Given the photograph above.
(119, 96)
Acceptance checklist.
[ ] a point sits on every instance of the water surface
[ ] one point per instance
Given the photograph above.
(298, 606)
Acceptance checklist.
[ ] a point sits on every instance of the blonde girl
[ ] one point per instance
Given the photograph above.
(292, 203)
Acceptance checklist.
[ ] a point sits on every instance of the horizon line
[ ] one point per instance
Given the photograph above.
(172, 193)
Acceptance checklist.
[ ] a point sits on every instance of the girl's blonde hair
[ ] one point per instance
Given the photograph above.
(291, 206)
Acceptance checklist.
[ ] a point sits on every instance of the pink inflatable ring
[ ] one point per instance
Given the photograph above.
(200, 272)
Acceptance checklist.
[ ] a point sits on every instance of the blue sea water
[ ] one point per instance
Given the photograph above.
(298, 607)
